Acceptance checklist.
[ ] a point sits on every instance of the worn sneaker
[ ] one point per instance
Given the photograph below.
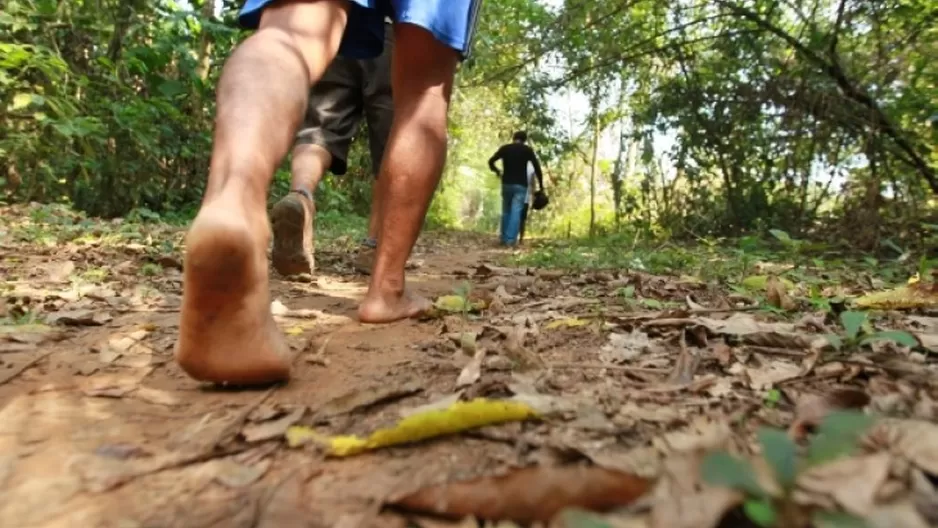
(365, 259)
(292, 220)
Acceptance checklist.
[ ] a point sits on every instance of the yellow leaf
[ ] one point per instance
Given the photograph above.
(757, 282)
(690, 279)
(458, 304)
(21, 100)
(572, 322)
(912, 296)
(25, 328)
(294, 330)
(458, 417)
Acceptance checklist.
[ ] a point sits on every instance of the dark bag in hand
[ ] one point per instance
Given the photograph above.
(540, 200)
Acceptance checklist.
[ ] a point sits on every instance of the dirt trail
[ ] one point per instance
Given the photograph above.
(109, 397)
(99, 428)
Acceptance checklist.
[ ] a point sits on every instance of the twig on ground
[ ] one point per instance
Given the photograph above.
(775, 351)
(622, 368)
(12, 373)
(203, 453)
(234, 426)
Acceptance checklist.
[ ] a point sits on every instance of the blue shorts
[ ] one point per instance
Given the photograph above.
(451, 22)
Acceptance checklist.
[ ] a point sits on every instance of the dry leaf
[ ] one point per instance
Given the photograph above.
(811, 409)
(233, 475)
(681, 499)
(515, 350)
(157, 396)
(529, 494)
(572, 322)
(852, 482)
(34, 334)
(61, 272)
(78, 318)
(771, 373)
(685, 367)
(693, 305)
(258, 432)
(625, 347)
(472, 371)
(357, 399)
(777, 294)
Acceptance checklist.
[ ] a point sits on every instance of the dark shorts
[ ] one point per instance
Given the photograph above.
(349, 90)
(452, 22)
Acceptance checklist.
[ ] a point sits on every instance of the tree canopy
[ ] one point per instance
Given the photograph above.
(699, 118)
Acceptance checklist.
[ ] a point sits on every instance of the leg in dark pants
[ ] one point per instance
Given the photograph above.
(524, 222)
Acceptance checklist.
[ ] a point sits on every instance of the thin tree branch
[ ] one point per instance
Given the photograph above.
(850, 90)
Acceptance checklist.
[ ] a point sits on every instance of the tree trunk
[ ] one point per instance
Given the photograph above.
(593, 162)
(618, 171)
(205, 43)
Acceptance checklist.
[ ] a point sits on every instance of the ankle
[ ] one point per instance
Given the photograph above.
(303, 191)
(387, 288)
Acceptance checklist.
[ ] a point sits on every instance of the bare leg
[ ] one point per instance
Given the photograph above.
(227, 333)
(374, 219)
(365, 260)
(421, 80)
(310, 162)
(293, 216)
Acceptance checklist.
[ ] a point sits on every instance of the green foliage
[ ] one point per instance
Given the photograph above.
(826, 519)
(723, 469)
(724, 118)
(779, 451)
(837, 435)
(760, 511)
(858, 333)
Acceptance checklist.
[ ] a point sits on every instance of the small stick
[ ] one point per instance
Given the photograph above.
(622, 368)
(16, 371)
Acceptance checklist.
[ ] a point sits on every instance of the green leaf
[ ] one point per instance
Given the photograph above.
(838, 435)
(772, 397)
(760, 511)
(781, 235)
(172, 88)
(653, 303)
(723, 469)
(779, 451)
(852, 321)
(574, 518)
(898, 336)
(827, 519)
(834, 340)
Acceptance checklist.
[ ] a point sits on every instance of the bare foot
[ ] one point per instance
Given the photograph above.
(387, 308)
(227, 334)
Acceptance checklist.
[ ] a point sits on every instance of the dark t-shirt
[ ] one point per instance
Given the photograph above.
(515, 157)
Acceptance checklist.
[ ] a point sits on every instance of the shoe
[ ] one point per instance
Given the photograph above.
(292, 221)
(365, 260)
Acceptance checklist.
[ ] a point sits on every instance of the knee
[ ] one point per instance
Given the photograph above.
(307, 31)
(423, 71)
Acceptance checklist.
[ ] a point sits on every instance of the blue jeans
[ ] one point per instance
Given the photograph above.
(512, 205)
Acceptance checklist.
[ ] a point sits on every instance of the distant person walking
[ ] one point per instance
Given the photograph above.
(515, 157)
